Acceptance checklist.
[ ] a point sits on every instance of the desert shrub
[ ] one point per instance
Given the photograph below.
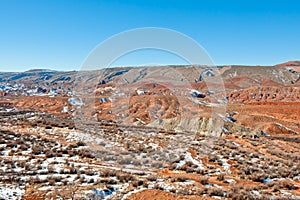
(84, 153)
(190, 164)
(211, 167)
(183, 168)
(37, 150)
(51, 182)
(212, 158)
(201, 171)
(91, 180)
(39, 167)
(275, 188)
(71, 153)
(23, 147)
(282, 172)
(173, 166)
(108, 173)
(12, 144)
(27, 166)
(203, 180)
(177, 160)
(258, 177)
(90, 172)
(11, 153)
(201, 191)
(111, 181)
(181, 178)
(190, 170)
(56, 178)
(51, 169)
(125, 161)
(152, 178)
(124, 178)
(58, 154)
(241, 195)
(2, 141)
(72, 146)
(136, 162)
(64, 151)
(157, 187)
(65, 182)
(21, 164)
(215, 192)
(239, 192)
(49, 154)
(109, 158)
(157, 165)
(221, 177)
(80, 144)
(137, 183)
(73, 170)
(184, 191)
(286, 185)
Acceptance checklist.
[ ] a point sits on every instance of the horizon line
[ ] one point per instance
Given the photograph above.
(158, 65)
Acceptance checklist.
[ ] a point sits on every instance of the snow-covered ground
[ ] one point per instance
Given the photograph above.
(10, 192)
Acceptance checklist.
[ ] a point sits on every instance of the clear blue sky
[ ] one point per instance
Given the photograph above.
(59, 34)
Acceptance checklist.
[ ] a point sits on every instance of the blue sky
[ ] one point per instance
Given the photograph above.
(59, 34)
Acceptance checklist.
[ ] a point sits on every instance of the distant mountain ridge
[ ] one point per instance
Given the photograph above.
(289, 64)
(40, 70)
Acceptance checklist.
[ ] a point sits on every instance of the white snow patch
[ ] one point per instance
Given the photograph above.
(8, 192)
(188, 157)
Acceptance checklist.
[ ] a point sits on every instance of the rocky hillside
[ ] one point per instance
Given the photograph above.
(37, 82)
(170, 97)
